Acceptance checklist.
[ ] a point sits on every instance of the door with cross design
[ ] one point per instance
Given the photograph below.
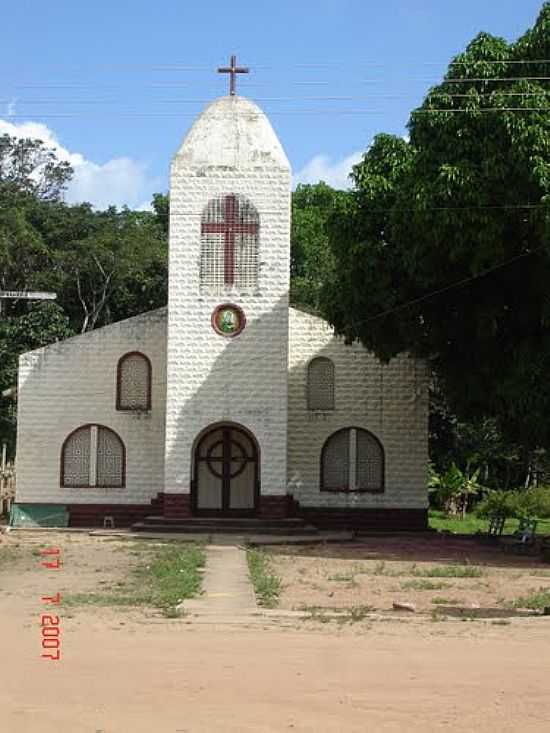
(226, 475)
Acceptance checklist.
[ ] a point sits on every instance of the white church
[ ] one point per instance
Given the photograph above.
(227, 403)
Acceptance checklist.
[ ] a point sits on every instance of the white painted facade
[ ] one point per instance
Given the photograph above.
(201, 378)
(230, 149)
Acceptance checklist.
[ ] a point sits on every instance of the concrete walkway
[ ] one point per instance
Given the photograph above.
(227, 590)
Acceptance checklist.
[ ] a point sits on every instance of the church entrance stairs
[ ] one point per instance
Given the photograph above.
(227, 525)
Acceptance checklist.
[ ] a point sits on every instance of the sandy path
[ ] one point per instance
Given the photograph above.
(169, 676)
(134, 672)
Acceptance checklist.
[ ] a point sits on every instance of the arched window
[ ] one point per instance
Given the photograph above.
(93, 456)
(320, 384)
(352, 459)
(133, 382)
(230, 229)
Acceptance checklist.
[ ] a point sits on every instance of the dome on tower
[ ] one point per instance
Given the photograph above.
(232, 132)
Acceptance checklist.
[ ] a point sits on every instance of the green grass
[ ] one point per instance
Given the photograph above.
(448, 571)
(535, 600)
(165, 577)
(324, 614)
(440, 601)
(267, 585)
(344, 578)
(472, 524)
(420, 584)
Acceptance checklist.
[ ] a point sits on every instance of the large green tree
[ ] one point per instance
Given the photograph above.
(443, 250)
(311, 259)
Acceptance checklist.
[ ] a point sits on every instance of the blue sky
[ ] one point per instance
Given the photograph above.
(115, 85)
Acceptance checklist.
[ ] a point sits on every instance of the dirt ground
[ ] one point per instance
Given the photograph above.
(379, 572)
(126, 671)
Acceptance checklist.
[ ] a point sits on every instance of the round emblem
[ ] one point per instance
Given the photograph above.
(228, 320)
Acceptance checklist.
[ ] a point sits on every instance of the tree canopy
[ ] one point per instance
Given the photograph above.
(442, 247)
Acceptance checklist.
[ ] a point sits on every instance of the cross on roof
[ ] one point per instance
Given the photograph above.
(233, 70)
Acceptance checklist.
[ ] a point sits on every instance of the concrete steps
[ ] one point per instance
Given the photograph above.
(226, 525)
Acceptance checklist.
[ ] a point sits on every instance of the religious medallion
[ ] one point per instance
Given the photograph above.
(228, 320)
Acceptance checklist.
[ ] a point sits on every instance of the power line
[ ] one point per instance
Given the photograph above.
(405, 210)
(252, 116)
(285, 99)
(452, 286)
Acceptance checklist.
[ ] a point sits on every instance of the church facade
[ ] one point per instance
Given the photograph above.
(228, 402)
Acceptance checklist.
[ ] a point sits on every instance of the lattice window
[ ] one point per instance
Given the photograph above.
(370, 462)
(76, 458)
(352, 460)
(93, 456)
(109, 459)
(336, 462)
(229, 245)
(320, 384)
(134, 382)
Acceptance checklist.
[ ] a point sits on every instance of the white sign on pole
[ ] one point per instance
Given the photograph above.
(28, 294)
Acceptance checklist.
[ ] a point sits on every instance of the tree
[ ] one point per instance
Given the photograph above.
(311, 259)
(443, 250)
(42, 324)
(29, 166)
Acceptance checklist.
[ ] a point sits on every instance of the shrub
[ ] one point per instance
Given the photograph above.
(533, 503)
(496, 504)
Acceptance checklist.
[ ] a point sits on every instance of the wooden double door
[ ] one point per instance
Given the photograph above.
(226, 473)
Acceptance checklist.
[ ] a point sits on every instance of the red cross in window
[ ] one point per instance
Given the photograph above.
(230, 226)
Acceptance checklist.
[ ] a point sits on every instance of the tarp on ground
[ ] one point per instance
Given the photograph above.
(39, 515)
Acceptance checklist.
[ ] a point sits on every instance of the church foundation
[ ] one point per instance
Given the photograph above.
(177, 506)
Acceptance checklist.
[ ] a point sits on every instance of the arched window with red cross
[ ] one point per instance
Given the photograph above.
(230, 228)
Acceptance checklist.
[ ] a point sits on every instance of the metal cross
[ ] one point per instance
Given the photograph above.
(233, 70)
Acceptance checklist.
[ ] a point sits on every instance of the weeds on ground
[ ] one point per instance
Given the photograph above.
(170, 575)
(267, 585)
(536, 600)
(344, 578)
(423, 585)
(448, 571)
(440, 601)
(324, 614)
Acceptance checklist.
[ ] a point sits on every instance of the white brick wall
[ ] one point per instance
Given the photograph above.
(389, 400)
(199, 377)
(212, 378)
(73, 383)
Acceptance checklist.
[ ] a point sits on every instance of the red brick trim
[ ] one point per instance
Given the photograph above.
(368, 520)
(92, 515)
(275, 507)
(177, 506)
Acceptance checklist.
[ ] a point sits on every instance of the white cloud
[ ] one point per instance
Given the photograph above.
(323, 168)
(118, 182)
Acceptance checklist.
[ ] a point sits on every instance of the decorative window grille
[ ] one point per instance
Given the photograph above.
(352, 460)
(229, 258)
(336, 462)
(320, 384)
(93, 456)
(134, 382)
(76, 458)
(369, 474)
(109, 459)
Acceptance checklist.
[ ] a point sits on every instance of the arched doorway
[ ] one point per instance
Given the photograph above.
(226, 473)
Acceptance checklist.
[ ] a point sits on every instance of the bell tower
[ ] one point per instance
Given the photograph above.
(229, 259)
